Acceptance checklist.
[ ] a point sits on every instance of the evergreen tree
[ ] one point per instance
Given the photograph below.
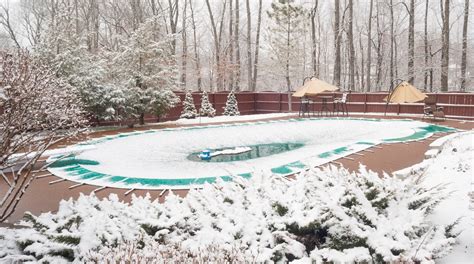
(287, 25)
(189, 110)
(231, 106)
(206, 106)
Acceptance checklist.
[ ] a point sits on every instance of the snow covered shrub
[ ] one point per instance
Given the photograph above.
(149, 250)
(189, 110)
(161, 102)
(231, 106)
(323, 215)
(37, 110)
(206, 106)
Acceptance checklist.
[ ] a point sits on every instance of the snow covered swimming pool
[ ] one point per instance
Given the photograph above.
(157, 159)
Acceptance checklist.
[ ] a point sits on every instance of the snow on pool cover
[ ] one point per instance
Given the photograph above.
(165, 158)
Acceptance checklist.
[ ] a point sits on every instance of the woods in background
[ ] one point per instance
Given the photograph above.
(248, 45)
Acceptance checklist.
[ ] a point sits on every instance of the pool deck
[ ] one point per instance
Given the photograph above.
(45, 193)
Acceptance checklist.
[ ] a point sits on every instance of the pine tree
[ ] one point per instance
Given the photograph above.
(189, 110)
(287, 24)
(231, 106)
(206, 106)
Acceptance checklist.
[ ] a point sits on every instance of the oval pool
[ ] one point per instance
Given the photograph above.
(167, 158)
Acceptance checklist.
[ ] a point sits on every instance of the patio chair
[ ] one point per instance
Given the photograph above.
(432, 110)
(305, 105)
(340, 104)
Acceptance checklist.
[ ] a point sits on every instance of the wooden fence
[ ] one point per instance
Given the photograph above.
(456, 105)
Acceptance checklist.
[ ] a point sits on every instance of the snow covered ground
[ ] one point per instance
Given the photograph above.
(454, 166)
(163, 154)
(221, 119)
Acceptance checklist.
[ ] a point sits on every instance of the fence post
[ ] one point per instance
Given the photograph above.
(365, 102)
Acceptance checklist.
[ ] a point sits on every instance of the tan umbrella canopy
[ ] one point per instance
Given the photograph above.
(314, 87)
(405, 93)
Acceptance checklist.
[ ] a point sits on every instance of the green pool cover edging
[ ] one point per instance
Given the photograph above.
(74, 170)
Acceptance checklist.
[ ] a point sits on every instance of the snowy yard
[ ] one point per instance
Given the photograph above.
(453, 167)
(160, 158)
(322, 215)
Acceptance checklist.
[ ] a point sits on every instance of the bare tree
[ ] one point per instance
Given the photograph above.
(184, 44)
(237, 45)
(379, 47)
(369, 45)
(425, 39)
(445, 45)
(6, 22)
(464, 46)
(38, 110)
(195, 48)
(392, 40)
(173, 12)
(257, 47)
(249, 46)
(231, 46)
(313, 13)
(411, 43)
(350, 36)
(217, 45)
(337, 45)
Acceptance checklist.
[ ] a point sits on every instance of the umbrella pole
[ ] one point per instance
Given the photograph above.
(390, 92)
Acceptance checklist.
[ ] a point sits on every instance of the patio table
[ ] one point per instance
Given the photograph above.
(324, 104)
(305, 106)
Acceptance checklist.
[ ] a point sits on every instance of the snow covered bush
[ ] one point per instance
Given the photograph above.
(189, 110)
(322, 215)
(231, 106)
(161, 102)
(206, 106)
(37, 110)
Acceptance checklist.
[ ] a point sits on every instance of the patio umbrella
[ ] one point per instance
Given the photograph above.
(314, 87)
(405, 93)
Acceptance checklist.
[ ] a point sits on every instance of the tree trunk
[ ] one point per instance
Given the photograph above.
(237, 45)
(350, 36)
(380, 33)
(257, 47)
(184, 57)
(362, 63)
(216, 43)
(445, 46)
(196, 52)
(464, 46)
(230, 65)
(313, 37)
(337, 45)
(249, 47)
(287, 65)
(173, 13)
(411, 44)
(220, 70)
(392, 39)
(425, 38)
(369, 46)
